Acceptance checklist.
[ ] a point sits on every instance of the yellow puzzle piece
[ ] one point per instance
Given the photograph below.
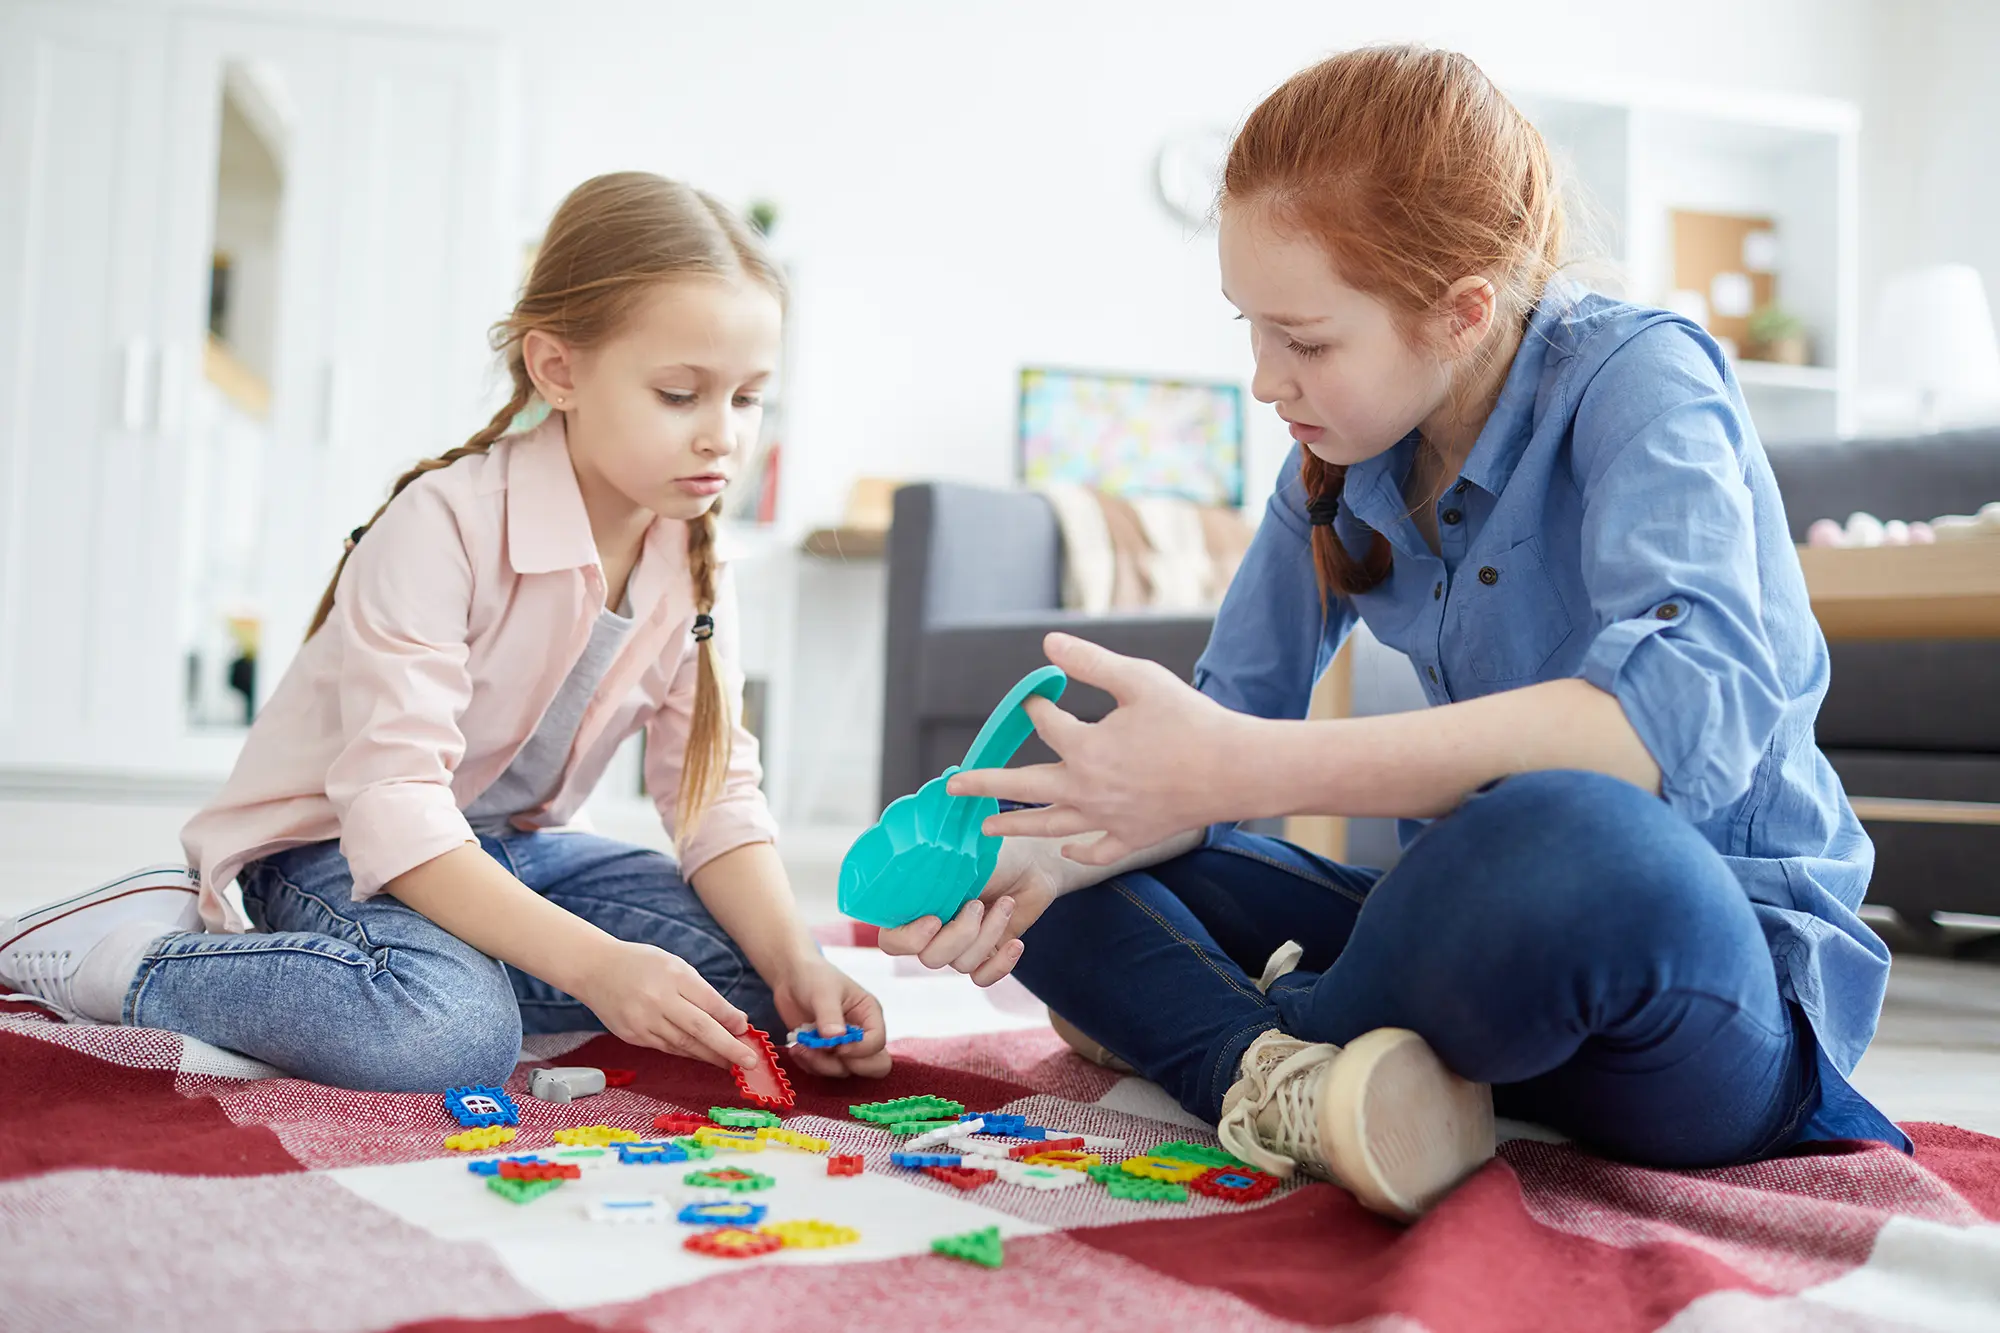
(594, 1136)
(1072, 1159)
(792, 1138)
(478, 1140)
(1162, 1168)
(810, 1234)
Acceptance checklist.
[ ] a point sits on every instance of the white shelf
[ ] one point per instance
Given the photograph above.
(1772, 375)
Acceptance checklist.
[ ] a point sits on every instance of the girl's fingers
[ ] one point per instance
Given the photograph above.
(989, 937)
(865, 1011)
(1050, 821)
(1000, 964)
(824, 1063)
(1037, 784)
(697, 992)
(873, 1065)
(706, 1033)
(908, 939)
(950, 942)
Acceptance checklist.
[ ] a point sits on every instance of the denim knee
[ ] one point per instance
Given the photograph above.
(442, 1027)
(1583, 863)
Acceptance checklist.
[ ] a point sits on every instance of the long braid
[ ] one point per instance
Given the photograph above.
(1338, 571)
(523, 390)
(712, 734)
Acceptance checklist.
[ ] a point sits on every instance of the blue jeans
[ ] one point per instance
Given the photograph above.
(1563, 936)
(376, 996)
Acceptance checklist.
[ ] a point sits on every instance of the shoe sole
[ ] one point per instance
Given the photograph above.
(1400, 1129)
(153, 879)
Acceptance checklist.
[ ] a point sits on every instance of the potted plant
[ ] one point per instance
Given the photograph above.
(1776, 334)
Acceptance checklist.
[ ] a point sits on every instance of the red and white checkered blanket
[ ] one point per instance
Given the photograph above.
(151, 1183)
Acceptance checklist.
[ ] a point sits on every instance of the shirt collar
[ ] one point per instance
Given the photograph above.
(547, 526)
(1504, 437)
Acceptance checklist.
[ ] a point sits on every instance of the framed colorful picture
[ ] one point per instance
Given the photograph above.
(1133, 434)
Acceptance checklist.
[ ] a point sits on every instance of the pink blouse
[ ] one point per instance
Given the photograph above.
(456, 621)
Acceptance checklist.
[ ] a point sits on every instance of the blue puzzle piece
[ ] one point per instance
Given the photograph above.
(491, 1166)
(728, 1212)
(922, 1159)
(1009, 1126)
(1033, 1132)
(650, 1154)
(1234, 1181)
(811, 1037)
(475, 1108)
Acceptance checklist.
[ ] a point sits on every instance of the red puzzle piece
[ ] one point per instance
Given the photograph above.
(766, 1085)
(1237, 1184)
(1037, 1146)
(845, 1164)
(539, 1171)
(733, 1243)
(965, 1177)
(618, 1078)
(675, 1123)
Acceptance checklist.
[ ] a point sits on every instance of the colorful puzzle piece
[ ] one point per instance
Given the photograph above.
(521, 1191)
(1121, 1184)
(981, 1247)
(1069, 1159)
(491, 1166)
(674, 1122)
(478, 1107)
(904, 1128)
(846, 1164)
(733, 1179)
(1181, 1150)
(950, 1129)
(650, 1154)
(696, 1150)
(1039, 1177)
(730, 1140)
(922, 1159)
(732, 1243)
(595, 1136)
(619, 1078)
(766, 1084)
(906, 1109)
(964, 1177)
(1154, 1167)
(741, 1117)
(1035, 1147)
(794, 1139)
(479, 1140)
(810, 1234)
(967, 1146)
(538, 1171)
(584, 1156)
(993, 1122)
(725, 1212)
(1232, 1184)
(810, 1037)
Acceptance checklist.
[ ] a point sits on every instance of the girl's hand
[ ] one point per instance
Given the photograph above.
(814, 993)
(984, 939)
(1168, 758)
(648, 997)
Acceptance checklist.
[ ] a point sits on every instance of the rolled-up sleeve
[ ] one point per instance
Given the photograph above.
(1670, 561)
(1271, 638)
(401, 615)
(739, 815)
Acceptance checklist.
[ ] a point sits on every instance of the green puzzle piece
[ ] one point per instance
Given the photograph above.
(906, 1108)
(734, 1179)
(981, 1247)
(742, 1117)
(918, 1126)
(1122, 1184)
(520, 1191)
(1180, 1150)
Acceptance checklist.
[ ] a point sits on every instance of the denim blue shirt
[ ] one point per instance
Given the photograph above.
(1616, 520)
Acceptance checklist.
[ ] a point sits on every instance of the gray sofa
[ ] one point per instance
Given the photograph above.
(975, 582)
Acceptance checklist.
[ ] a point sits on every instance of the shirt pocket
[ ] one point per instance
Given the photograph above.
(1512, 620)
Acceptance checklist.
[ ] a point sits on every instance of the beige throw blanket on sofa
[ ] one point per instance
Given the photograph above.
(1144, 553)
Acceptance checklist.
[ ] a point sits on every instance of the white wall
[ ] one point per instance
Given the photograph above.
(966, 187)
(1931, 146)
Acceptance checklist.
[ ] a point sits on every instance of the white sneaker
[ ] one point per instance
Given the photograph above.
(1381, 1117)
(40, 951)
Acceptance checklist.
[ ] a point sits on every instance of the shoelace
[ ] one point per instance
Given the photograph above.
(1284, 958)
(1292, 1087)
(43, 975)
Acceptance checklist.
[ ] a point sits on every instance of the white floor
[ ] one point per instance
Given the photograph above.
(1936, 1056)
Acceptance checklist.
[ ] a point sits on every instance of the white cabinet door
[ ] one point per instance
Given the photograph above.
(81, 92)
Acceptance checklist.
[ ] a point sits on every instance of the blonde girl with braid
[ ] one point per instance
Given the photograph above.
(413, 894)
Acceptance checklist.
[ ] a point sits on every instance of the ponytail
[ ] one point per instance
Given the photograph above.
(712, 734)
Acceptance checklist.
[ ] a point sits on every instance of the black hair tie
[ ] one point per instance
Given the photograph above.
(354, 537)
(704, 628)
(1322, 510)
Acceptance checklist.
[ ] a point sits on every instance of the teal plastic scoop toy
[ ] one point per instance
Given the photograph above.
(927, 854)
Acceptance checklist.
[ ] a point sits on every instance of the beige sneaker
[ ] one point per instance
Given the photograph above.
(1381, 1117)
